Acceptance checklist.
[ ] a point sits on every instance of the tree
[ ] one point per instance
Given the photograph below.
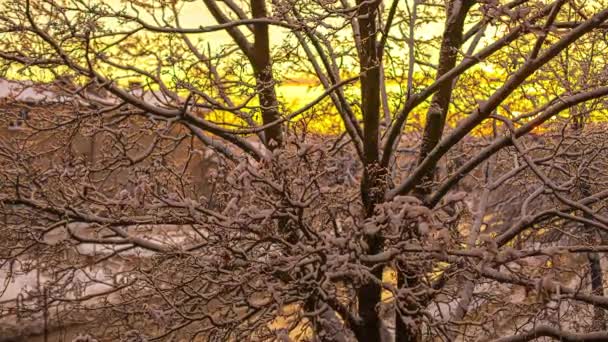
(457, 196)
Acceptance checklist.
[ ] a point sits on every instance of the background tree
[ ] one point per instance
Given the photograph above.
(440, 184)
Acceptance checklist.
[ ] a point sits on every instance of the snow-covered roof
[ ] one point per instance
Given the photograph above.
(29, 92)
(45, 93)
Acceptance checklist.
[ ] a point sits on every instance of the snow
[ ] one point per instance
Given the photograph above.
(91, 279)
(8, 88)
(28, 92)
(24, 91)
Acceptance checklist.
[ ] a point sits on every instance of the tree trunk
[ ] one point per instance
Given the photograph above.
(433, 130)
(597, 279)
(438, 109)
(373, 187)
(407, 332)
(258, 55)
(597, 288)
(368, 297)
(373, 184)
(265, 84)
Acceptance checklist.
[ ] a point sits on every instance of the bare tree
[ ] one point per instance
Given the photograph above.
(460, 194)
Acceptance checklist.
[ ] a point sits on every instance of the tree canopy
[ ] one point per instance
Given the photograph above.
(323, 170)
